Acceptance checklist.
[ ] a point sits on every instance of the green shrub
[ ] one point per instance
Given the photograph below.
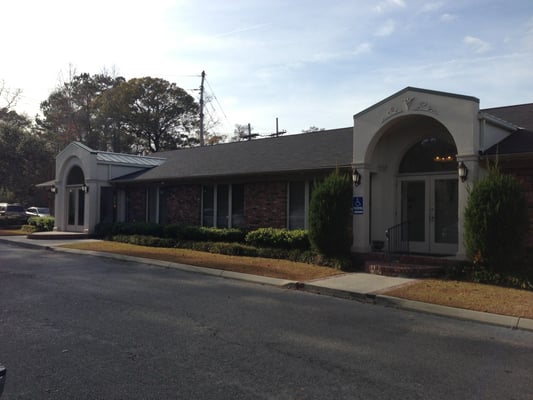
(173, 231)
(496, 222)
(237, 249)
(28, 228)
(205, 234)
(41, 224)
(278, 238)
(142, 240)
(104, 230)
(329, 215)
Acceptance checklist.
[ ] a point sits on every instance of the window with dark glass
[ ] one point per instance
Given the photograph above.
(297, 205)
(431, 154)
(237, 206)
(208, 205)
(223, 205)
(151, 209)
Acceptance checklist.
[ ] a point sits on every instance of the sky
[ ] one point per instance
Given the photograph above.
(307, 63)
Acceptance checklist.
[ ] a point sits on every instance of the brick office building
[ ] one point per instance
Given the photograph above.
(413, 156)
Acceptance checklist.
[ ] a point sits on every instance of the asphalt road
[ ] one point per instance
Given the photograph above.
(82, 327)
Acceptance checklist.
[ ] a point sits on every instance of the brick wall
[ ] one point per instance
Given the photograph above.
(182, 205)
(265, 204)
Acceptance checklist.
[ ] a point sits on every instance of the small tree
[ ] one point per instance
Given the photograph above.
(496, 221)
(329, 213)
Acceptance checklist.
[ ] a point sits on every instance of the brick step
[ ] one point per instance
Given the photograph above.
(403, 269)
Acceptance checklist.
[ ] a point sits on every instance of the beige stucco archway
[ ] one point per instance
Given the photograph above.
(83, 179)
(384, 133)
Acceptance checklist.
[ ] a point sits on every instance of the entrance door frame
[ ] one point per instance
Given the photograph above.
(78, 209)
(430, 244)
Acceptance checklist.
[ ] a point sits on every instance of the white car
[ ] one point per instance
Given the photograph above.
(38, 212)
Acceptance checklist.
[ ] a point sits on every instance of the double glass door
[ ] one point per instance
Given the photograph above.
(429, 205)
(75, 209)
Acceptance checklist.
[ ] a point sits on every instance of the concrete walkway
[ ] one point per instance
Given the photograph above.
(357, 286)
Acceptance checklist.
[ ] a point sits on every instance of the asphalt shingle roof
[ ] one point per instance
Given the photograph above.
(520, 141)
(309, 151)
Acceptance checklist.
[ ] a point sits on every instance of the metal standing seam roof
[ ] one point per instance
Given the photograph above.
(118, 158)
(292, 153)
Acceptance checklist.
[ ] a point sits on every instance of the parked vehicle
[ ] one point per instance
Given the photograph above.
(12, 213)
(38, 212)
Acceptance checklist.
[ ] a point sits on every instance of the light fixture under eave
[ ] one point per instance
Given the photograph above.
(356, 177)
(85, 188)
(53, 189)
(444, 159)
(462, 170)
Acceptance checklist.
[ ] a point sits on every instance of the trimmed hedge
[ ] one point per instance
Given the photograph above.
(264, 242)
(278, 238)
(174, 231)
(41, 224)
(237, 249)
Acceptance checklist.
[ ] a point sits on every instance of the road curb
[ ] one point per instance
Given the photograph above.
(457, 313)
(263, 280)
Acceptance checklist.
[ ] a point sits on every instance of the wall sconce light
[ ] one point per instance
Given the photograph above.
(462, 171)
(53, 189)
(356, 177)
(85, 188)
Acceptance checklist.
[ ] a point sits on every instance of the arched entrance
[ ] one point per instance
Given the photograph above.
(75, 199)
(428, 195)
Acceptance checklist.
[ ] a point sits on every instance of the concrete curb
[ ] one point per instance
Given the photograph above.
(263, 280)
(457, 313)
(411, 305)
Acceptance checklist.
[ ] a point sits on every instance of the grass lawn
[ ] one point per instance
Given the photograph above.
(12, 232)
(251, 265)
(471, 296)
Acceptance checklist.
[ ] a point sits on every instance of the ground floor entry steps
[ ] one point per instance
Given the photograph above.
(407, 266)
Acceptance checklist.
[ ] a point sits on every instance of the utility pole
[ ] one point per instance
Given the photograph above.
(202, 110)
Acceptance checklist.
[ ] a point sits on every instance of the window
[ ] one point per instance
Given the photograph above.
(208, 205)
(152, 195)
(107, 205)
(298, 204)
(430, 155)
(237, 206)
(297, 209)
(223, 206)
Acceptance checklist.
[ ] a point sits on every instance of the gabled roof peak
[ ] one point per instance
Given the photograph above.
(417, 90)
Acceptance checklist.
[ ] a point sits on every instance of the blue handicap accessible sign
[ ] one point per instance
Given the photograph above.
(357, 205)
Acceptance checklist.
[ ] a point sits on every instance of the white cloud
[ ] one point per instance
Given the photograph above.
(430, 7)
(386, 29)
(477, 44)
(448, 17)
(388, 5)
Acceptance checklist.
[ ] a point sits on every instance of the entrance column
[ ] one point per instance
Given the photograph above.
(361, 213)
(472, 164)
(92, 205)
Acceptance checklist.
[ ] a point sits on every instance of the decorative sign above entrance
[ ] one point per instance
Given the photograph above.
(409, 104)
